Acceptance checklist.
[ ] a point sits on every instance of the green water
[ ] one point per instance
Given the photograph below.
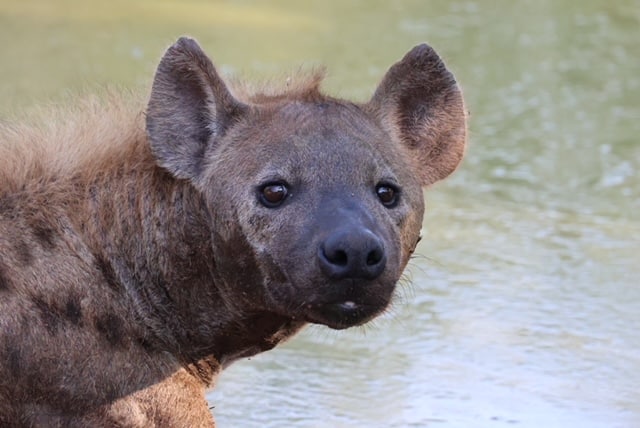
(524, 302)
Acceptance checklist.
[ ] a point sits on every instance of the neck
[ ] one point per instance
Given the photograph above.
(151, 237)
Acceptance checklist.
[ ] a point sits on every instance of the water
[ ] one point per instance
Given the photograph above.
(522, 307)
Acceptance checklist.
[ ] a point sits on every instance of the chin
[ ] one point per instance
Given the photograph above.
(342, 315)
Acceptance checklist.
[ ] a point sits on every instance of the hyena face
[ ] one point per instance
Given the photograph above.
(315, 203)
(325, 205)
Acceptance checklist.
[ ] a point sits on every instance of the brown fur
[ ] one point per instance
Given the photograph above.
(138, 258)
(87, 137)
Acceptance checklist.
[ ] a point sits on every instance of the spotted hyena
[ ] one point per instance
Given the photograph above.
(143, 252)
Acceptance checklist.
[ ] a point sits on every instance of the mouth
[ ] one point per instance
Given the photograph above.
(342, 315)
(337, 305)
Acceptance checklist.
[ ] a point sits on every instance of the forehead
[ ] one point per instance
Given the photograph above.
(320, 138)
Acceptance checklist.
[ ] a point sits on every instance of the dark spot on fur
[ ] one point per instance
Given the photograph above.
(13, 357)
(5, 283)
(73, 311)
(7, 207)
(24, 253)
(146, 344)
(93, 193)
(106, 269)
(111, 327)
(48, 315)
(45, 236)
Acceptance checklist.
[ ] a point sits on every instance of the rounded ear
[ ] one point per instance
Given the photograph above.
(189, 108)
(420, 105)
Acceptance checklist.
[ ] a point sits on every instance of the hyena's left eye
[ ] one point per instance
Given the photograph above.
(388, 194)
(272, 195)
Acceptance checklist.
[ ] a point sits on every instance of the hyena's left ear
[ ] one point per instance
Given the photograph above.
(190, 108)
(420, 105)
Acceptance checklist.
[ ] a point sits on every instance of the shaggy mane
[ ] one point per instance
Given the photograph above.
(65, 141)
(301, 85)
(96, 132)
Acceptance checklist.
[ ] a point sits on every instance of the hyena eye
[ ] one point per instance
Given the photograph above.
(388, 194)
(272, 195)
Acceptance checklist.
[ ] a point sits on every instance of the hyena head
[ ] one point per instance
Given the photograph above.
(315, 203)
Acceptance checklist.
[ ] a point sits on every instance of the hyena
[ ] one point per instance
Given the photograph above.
(144, 250)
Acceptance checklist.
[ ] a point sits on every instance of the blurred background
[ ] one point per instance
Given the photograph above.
(522, 306)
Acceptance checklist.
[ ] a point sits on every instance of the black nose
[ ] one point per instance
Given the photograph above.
(352, 254)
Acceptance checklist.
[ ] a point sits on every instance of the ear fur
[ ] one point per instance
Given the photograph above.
(420, 105)
(189, 108)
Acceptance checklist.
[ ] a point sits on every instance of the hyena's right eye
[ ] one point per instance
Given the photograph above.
(272, 195)
(388, 194)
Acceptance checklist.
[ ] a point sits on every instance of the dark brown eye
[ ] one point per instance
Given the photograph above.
(273, 194)
(387, 194)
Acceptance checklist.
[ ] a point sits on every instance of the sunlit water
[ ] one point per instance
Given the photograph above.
(522, 307)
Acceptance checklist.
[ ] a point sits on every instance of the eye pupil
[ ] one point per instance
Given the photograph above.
(273, 194)
(388, 195)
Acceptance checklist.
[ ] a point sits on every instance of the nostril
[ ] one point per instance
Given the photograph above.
(339, 258)
(374, 257)
(335, 254)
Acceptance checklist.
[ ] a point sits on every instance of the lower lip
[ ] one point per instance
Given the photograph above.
(339, 315)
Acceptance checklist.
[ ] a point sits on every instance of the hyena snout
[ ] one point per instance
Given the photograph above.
(354, 253)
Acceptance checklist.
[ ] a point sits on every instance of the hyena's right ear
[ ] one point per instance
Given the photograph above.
(190, 106)
(420, 105)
